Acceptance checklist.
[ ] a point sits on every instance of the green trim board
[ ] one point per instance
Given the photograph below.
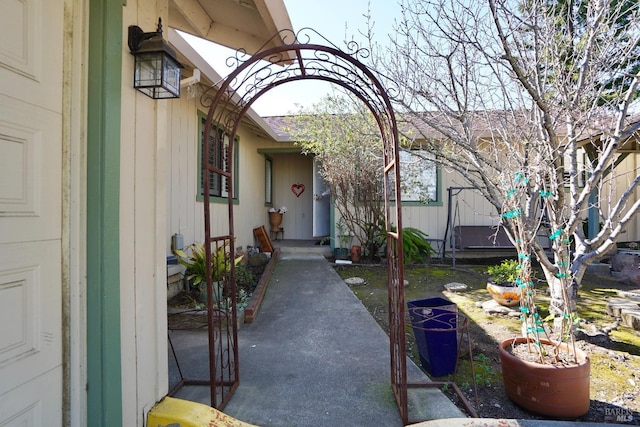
(104, 383)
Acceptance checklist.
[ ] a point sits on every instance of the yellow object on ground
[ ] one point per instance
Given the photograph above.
(183, 413)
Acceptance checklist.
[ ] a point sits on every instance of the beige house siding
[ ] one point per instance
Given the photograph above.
(142, 200)
(185, 210)
(473, 209)
(619, 185)
(159, 175)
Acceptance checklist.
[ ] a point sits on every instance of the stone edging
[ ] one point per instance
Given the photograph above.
(251, 310)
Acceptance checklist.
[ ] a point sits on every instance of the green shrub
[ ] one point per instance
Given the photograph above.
(505, 272)
(415, 245)
(245, 279)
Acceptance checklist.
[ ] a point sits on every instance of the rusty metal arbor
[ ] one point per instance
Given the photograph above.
(227, 104)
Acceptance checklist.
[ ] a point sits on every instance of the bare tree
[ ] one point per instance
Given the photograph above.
(532, 103)
(343, 135)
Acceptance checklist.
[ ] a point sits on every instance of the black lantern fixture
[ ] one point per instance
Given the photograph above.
(157, 71)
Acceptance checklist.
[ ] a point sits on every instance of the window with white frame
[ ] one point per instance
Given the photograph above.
(419, 174)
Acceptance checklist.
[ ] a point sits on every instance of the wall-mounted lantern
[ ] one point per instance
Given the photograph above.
(157, 71)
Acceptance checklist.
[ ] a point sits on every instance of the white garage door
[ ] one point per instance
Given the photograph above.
(30, 212)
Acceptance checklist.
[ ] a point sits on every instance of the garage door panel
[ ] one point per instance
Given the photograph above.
(30, 340)
(17, 292)
(30, 172)
(33, 404)
(31, 193)
(28, 64)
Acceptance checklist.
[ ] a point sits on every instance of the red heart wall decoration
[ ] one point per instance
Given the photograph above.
(297, 189)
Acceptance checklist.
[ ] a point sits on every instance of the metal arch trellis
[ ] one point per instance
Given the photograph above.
(227, 104)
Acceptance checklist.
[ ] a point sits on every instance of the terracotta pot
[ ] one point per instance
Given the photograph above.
(556, 392)
(356, 252)
(275, 219)
(505, 294)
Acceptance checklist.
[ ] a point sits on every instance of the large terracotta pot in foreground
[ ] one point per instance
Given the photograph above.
(557, 392)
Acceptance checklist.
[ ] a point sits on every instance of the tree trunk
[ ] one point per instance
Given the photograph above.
(563, 291)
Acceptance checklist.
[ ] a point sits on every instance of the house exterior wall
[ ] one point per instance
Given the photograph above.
(468, 208)
(185, 209)
(471, 208)
(143, 194)
(294, 168)
(158, 198)
(631, 164)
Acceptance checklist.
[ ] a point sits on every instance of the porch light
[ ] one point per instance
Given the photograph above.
(157, 71)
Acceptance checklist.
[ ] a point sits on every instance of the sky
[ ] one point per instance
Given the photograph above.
(336, 20)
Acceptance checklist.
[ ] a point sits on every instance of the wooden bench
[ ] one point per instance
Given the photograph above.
(481, 237)
(486, 237)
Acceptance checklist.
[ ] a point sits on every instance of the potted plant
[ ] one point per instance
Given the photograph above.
(501, 284)
(356, 253)
(196, 268)
(275, 217)
(543, 370)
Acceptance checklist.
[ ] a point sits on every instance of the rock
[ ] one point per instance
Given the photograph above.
(633, 293)
(610, 327)
(492, 307)
(621, 260)
(631, 318)
(631, 274)
(616, 305)
(354, 281)
(599, 268)
(456, 287)
(257, 259)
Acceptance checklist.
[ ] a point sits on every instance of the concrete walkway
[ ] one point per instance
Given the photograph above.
(316, 357)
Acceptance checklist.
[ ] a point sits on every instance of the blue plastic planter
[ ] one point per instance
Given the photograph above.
(434, 323)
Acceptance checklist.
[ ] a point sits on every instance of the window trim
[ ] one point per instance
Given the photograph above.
(438, 187)
(236, 162)
(268, 181)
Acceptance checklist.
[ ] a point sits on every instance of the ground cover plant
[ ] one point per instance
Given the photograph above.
(614, 350)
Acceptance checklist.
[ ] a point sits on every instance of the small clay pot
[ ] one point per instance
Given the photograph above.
(356, 252)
